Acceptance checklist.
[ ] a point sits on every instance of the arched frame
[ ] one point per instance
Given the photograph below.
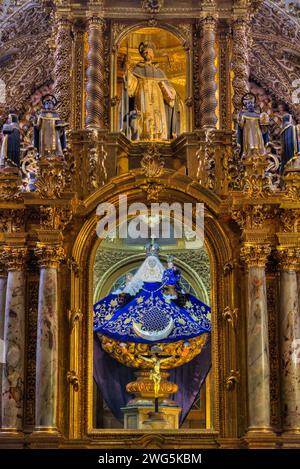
(116, 39)
(219, 244)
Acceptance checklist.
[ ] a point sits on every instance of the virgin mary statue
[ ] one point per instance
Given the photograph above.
(151, 110)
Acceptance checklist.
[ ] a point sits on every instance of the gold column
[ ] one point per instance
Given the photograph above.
(49, 258)
(208, 72)
(95, 73)
(14, 338)
(290, 338)
(78, 114)
(255, 257)
(63, 67)
(224, 79)
(240, 62)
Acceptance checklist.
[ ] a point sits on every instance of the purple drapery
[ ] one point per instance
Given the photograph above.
(111, 378)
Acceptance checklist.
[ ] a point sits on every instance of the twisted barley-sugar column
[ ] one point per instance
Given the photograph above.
(63, 67)
(49, 258)
(240, 62)
(14, 338)
(258, 363)
(95, 74)
(208, 73)
(289, 338)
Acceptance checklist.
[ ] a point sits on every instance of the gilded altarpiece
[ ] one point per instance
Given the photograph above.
(252, 227)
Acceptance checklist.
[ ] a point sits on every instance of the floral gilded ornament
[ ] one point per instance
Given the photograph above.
(255, 255)
(49, 256)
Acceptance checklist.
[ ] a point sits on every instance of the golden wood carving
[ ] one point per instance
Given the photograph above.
(131, 354)
(208, 72)
(95, 73)
(240, 61)
(255, 255)
(15, 257)
(63, 67)
(49, 256)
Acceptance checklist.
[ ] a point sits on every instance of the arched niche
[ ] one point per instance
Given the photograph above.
(219, 245)
(173, 56)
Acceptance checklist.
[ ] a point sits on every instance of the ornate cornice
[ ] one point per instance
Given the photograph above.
(255, 255)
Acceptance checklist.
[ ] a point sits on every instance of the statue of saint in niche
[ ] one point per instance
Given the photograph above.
(151, 100)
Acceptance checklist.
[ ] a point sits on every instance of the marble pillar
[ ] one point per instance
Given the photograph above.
(290, 340)
(47, 339)
(208, 73)
(14, 339)
(255, 257)
(3, 283)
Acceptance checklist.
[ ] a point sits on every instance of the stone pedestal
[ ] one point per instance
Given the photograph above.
(135, 417)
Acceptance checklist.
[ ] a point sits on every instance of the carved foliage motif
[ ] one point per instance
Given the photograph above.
(274, 57)
(63, 67)
(240, 67)
(26, 61)
(152, 164)
(255, 255)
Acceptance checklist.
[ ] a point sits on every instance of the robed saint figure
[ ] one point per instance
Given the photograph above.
(252, 128)
(151, 100)
(290, 141)
(11, 142)
(49, 130)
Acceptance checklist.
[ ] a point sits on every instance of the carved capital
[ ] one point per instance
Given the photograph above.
(14, 257)
(49, 255)
(289, 257)
(96, 22)
(208, 23)
(3, 266)
(255, 255)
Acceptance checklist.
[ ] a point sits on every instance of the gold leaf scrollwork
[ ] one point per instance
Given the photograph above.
(73, 266)
(51, 181)
(152, 165)
(73, 380)
(232, 380)
(231, 316)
